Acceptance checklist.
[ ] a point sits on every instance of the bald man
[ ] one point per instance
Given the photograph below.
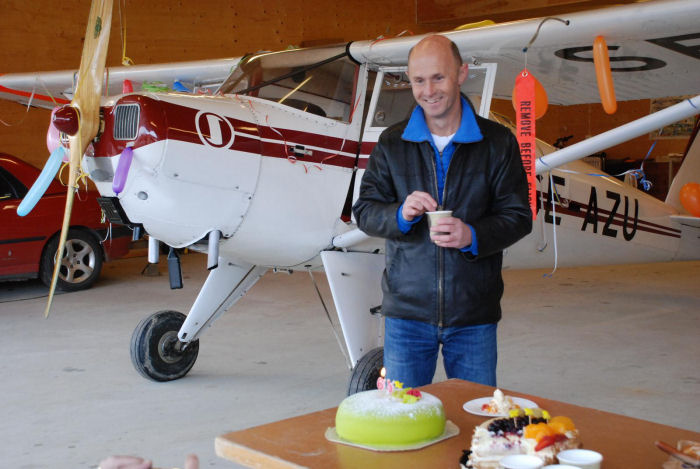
(442, 286)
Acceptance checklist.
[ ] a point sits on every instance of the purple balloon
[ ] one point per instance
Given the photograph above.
(122, 170)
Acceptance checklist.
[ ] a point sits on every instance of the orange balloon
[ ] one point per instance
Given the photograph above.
(541, 101)
(603, 74)
(690, 198)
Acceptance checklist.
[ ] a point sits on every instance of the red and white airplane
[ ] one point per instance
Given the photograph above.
(257, 160)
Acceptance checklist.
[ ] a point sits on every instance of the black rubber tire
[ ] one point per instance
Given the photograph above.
(81, 262)
(368, 369)
(153, 347)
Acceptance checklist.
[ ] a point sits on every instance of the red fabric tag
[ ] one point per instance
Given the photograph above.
(525, 130)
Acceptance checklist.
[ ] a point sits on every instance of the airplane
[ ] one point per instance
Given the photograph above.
(256, 160)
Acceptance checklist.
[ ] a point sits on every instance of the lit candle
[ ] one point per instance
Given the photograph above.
(381, 382)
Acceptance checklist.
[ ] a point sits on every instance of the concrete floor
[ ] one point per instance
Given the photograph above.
(618, 338)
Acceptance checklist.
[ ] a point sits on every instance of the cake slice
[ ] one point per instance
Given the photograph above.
(499, 437)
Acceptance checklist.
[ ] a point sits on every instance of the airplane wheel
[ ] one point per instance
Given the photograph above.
(368, 369)
(156, 351)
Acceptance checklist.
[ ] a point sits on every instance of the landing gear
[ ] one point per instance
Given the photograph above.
(156, 351)
(364, 375)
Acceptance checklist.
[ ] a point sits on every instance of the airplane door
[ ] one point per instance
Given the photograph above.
(310, 127)
(392, 101)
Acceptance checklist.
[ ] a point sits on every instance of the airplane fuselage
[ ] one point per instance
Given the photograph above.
(273, 180)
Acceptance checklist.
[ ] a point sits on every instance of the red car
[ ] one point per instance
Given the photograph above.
(28, 244)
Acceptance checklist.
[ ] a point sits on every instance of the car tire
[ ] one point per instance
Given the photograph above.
(81, 262)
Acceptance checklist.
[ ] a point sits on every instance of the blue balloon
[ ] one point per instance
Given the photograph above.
(42, 182)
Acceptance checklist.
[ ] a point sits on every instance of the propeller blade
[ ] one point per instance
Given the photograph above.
(86, 101)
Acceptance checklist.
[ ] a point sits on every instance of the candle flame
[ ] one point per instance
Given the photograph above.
(383, 372)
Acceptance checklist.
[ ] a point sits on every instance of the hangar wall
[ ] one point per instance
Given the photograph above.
(47, 35)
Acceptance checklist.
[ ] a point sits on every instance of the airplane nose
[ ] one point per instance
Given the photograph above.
(65, 119)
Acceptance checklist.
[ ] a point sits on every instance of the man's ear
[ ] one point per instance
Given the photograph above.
(463, 73)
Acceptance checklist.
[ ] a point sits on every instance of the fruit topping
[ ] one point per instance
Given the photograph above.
(538, 431)
(561, 424)
(511, 425)
(549, 440)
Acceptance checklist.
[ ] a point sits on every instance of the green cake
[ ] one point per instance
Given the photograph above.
(380, 418)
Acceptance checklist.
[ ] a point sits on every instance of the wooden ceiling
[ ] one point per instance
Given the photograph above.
(453, 13)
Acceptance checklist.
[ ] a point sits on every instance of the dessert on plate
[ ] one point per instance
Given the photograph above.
(500, 404)
(531, 431)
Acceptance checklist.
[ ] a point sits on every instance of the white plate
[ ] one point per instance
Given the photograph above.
(474, 406)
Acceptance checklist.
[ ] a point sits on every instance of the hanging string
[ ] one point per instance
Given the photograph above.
(537, 32)
(29, 104)
(122, 32)
(554, 226)
(544, 243)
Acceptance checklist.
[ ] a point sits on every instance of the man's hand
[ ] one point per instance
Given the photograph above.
(125, 462)
(454, 233)
(134, 462)
(416, 204)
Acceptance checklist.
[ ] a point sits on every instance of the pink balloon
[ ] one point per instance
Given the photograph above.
(53, 139)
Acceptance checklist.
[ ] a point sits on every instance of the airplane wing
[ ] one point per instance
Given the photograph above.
(653, 46)
(43, 88)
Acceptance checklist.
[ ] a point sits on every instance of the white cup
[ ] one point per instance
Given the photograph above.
(520, 461)
(559, 466)
(581, 458)
(433, 217)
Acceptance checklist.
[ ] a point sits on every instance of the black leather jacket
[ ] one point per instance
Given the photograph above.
(485, 186)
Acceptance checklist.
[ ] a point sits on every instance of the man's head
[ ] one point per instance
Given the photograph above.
(436, 72)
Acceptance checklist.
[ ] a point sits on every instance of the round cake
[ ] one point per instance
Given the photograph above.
(380, 418)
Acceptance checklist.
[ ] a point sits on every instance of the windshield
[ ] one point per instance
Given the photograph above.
(319, 81)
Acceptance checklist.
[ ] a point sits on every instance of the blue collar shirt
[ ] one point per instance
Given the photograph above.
(417, 131)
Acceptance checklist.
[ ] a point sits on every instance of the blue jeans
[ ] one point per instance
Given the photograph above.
(411, 351)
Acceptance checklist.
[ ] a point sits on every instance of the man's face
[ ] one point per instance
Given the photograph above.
(435, 80)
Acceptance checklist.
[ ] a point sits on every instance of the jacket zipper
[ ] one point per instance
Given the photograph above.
(441, 252)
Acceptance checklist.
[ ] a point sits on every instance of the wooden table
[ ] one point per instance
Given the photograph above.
(299, 442)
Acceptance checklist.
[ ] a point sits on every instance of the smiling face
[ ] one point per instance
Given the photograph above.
(436, 77)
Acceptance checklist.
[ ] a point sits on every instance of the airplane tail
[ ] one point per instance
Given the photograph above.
(688, 172)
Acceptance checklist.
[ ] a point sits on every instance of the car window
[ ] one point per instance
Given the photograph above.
(10, 187)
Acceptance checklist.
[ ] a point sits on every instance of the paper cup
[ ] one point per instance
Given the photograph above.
(582, 458)
(433, 217)
(520, 461)
(559, 466)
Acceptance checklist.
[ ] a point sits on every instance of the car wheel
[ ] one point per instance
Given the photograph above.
(81, 261)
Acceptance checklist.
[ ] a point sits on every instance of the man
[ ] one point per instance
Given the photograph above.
(443, 288)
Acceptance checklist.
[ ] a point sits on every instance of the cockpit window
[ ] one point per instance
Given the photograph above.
(320, 81)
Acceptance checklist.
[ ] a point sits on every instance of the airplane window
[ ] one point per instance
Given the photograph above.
(320, 81)
(395, 102)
